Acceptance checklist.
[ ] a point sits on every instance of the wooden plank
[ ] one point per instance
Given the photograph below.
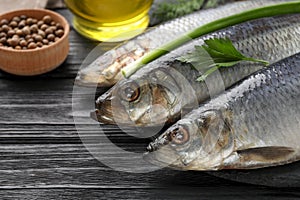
(67, 134)
(36, 101)
(39, 166)
(180, 192)
(40, 101)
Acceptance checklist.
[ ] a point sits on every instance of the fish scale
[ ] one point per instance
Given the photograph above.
(276, 93)
(105, 70)
(259, 119)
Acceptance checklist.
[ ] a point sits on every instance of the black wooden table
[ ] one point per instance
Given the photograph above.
(42, 156)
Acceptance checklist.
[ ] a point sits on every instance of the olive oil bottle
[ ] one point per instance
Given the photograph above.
(110, 20)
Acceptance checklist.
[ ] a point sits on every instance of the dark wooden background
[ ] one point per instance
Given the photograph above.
(42, 156)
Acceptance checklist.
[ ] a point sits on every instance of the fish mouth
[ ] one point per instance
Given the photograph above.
(99, 117)
(104, 110)
(160, 153)
(164, 157)
(109, 112)
(160, 142)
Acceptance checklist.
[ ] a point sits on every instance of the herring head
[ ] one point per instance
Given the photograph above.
(106, 70)
(141, 101)
(193, 144)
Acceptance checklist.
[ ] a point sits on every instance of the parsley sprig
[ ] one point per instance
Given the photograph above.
(216, 53)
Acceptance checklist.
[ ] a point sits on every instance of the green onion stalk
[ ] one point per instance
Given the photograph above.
(267, 11)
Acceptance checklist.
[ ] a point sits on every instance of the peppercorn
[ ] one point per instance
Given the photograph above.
(13, 24)
(48, 31)
(26, 30)
(2, 34)
(19, 32)
(59, 26)
(31, 45)
(39, 44)
(59, 33)
(23, 17)
(16, 19)
(34, 21)
(16, 36)
(51, 37)
(22, 24)
(13, 41)
(23, 43)
(42, 33)
(27, 37)
(29, 21)
(3, 40)
(44, 27)
(22, 32)
(40, 23)
(45, 41)
(38, 38)
(30, 40)
(47, 19)
(5, 28)
(3, 22)
(34, 28)
(10, 33)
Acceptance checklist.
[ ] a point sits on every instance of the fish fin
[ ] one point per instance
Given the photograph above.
(261, 157)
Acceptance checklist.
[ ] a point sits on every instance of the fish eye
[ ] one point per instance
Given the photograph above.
(179, 136)
(129, 92)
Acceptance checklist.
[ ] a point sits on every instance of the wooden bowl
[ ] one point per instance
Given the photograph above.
(40, 60)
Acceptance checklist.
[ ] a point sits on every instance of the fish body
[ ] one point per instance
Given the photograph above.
(166, 89)
(253, 125)
(105, 71)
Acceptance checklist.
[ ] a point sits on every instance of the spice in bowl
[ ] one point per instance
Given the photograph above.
(23, 32)
(33, 41)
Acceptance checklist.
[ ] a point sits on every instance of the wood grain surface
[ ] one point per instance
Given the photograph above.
(42, 156)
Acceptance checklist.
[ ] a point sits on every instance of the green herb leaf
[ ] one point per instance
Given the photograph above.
(214, 54)
(176, 8)
(214, 3)
(170, 9)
